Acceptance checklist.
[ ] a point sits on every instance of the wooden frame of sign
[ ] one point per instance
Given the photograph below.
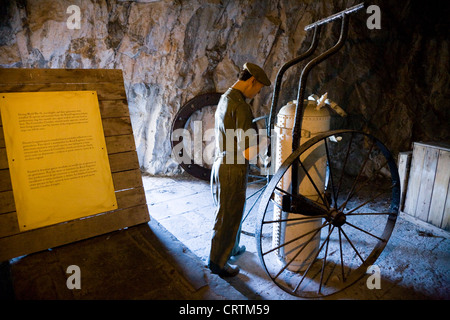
(129, 191)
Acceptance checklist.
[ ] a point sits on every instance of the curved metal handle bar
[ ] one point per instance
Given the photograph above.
(283, 69)
(303, 79)
(335, 16)
(301, 94)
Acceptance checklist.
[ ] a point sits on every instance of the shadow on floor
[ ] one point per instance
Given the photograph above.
(140, 262)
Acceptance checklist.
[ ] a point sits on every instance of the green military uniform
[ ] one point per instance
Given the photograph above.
(230, 172)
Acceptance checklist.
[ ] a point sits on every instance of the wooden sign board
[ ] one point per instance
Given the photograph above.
(109, 194)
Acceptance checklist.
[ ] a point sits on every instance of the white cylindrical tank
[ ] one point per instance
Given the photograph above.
(314, 122)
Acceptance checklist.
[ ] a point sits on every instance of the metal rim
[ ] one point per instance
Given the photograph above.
(179, 122)
(330, 271)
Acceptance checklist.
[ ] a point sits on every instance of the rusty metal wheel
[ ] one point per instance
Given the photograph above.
(183, 116)
(194, 164)
(319, 244)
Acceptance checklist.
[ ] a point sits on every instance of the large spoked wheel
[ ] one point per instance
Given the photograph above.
(321, 239)
(181, 121)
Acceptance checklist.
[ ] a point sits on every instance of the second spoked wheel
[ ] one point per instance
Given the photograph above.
(322, 238)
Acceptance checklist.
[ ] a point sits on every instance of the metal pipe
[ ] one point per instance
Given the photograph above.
(301, 95)
(283, 69)
(334, 16)
(303, 79)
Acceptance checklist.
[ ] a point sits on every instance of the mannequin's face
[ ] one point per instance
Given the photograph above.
(253, 87)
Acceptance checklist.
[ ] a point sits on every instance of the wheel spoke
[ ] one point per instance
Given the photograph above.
(276, 203)
(341, 252)
(293, 219)
(313, 208)
(300, 197)
(324, 201)
(362, 230)
(346, 237)
(368, 214)
(344, 165)
(370, 179)
(345, 196)
(296, 255)
(324, 263)
(297, 238)
(259, 190)
(350, 194)
(254, 203)
(366, 202)
(314, 260)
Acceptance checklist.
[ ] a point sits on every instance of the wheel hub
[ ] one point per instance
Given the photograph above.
(337, 217)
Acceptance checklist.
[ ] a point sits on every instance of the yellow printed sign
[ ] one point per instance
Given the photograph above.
(57, 156)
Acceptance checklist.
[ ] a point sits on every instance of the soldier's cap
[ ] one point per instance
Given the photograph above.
(258, 73)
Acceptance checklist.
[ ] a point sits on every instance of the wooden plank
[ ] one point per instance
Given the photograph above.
(31, 76)
(8, 224)
(127, 179)
(117, 126)
(123, 161)
(426, 183)
(2, 137)
(412, 192)
(7, 202)
(114, 143)
(131, 197)
(440, 190)
(121, 143)
(122, 196)
(438, 145)
(446, 218)
(108, 109)
(3, 159)
(404, 165)
(114, 108)
(119, 138)
(125, 199)
(63, 233)
(5, 180)
(122, 180)
(105, 90)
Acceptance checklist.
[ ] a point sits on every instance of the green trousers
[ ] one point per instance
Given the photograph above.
(231, 185)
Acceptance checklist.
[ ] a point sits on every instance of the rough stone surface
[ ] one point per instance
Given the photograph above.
(392, 81)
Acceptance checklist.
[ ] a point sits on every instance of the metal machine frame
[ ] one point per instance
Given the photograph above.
(338, 206)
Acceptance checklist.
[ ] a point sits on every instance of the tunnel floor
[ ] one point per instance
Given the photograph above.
(166, 259)
(415, 263)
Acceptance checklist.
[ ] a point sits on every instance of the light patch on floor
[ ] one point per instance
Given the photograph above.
(414, 265)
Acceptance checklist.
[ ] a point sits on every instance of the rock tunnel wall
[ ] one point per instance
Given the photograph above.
(393, 82)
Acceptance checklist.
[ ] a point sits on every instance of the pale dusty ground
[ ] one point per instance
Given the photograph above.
(414, 265)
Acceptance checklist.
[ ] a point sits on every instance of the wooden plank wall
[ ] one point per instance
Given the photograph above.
(404, 166)
(428, 190)
(132, 207)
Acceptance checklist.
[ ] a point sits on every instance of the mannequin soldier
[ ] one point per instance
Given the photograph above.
(230, 167)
